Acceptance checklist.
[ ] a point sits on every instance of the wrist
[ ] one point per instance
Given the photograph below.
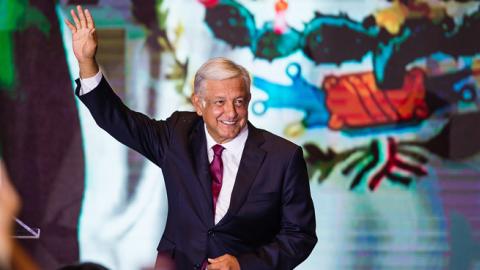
(88, 68)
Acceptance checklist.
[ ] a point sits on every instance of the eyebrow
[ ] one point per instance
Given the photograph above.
(222, 97)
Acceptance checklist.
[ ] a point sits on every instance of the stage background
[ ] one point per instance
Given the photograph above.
(382, 95)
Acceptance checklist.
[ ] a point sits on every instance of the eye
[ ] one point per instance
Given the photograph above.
(219, 102)
(239, 102)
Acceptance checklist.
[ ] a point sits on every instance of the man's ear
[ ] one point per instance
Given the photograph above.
(197, 104)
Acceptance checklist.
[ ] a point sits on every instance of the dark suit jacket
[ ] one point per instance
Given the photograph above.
(271, 221)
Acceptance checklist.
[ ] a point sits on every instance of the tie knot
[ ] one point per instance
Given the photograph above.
(217, 150)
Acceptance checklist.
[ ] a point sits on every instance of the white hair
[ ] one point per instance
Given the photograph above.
(217, 69)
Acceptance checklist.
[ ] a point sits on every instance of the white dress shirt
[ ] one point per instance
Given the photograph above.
(88, 84)
(231, 156)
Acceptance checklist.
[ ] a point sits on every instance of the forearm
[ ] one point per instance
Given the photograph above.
(133, 129)
(88, 68)
(285, 253)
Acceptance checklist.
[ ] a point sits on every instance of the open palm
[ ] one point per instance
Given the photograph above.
(84, 39)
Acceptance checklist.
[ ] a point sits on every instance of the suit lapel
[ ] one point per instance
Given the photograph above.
(252, 158)
(198, 143)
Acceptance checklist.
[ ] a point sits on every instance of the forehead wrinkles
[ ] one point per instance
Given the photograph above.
(225, 89)
(229, 96)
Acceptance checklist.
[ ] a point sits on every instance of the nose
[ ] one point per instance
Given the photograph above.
(230, 110)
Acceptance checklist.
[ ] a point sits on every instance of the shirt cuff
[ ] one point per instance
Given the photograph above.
(90, 83)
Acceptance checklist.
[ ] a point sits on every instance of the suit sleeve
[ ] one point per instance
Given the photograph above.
(297, 237)
(137, 131)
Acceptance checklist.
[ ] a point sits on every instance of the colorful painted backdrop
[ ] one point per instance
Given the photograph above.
(382, 95)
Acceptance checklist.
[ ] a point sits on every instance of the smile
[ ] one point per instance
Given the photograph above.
(228, 122)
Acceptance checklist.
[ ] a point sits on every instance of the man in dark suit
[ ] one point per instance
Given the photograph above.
(238, 196)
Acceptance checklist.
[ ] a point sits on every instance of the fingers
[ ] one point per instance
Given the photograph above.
(217, 260)
(217, 263)
(223, 262)
(75, 19)
(81, 15)
(90, 22)
(92, 32)
(70, 25)
(81, 18)
(217, 266)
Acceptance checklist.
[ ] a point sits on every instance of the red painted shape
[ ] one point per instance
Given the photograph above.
(387, 168)
(209, 3)
(393, 161)
(281, 5)
(354, 100)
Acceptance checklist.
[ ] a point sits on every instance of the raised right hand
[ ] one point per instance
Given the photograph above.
(84, 41)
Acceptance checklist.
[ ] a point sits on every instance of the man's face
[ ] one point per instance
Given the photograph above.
(224, 107)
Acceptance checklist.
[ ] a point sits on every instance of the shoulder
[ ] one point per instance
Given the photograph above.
(276, 144)
(184, 118)
(183, 122)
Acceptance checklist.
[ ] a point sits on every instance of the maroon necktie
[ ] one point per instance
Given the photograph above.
(216, 171)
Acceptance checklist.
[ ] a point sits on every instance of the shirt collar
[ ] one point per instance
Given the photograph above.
(235, 146)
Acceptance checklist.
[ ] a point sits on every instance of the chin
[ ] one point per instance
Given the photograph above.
(230, 136)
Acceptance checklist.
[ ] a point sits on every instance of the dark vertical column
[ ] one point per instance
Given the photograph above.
(41, 140)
